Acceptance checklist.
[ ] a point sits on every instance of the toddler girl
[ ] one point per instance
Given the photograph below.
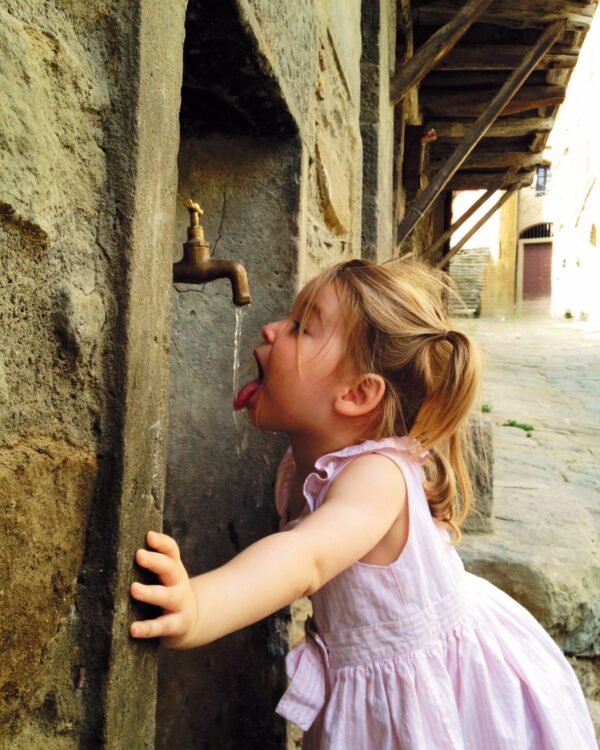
(405, 649)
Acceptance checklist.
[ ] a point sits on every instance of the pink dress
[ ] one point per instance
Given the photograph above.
(420, 654)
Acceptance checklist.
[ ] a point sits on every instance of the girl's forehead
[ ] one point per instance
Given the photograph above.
(320, 298)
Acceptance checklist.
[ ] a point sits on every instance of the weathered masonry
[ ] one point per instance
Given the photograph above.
(308, 131)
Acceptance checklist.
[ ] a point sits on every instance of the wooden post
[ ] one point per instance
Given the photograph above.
(499, 203)
(434, 49)
(480, 127)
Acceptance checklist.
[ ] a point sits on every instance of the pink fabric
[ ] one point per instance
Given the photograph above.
(420, 654)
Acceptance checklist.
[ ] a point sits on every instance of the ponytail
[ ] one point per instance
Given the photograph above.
(440, 425)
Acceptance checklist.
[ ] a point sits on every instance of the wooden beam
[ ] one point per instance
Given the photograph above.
(485, 180)
(451, 80)
(480, 127)
(502, 57)
(499, 203)
(538, 142)
(441, 103)
(434, 49)
(494, 160)
(514, 13)
(502, 128)
(507, 180)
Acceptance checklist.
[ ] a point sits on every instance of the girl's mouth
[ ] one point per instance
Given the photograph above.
(245, 395)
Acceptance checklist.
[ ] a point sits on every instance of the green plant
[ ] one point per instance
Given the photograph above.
(528, 428)
(486, 408)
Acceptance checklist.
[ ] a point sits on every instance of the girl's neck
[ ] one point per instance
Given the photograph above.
(307, 451)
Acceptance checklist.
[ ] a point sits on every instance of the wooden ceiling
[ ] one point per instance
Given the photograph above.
(466, 77)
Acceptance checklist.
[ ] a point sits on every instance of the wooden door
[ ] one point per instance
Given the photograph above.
(537, 270)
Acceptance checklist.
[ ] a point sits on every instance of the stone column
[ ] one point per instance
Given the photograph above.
(377, 127)
(130, 693)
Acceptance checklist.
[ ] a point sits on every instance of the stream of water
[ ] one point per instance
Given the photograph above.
(239, 417)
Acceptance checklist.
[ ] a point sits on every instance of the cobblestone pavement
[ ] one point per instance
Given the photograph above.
(544, 373)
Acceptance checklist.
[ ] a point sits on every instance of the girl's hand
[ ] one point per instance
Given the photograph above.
(175, 596)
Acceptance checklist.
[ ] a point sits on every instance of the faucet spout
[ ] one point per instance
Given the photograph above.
(196, 271)
(197, 267)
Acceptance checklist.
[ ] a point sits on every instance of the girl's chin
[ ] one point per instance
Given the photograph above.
(260, 420)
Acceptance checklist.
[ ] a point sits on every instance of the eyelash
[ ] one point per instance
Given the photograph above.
(296, 327)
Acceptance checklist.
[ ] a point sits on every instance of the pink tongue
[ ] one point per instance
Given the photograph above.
(244, 396)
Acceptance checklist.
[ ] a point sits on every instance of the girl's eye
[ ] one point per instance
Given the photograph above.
(295, 328)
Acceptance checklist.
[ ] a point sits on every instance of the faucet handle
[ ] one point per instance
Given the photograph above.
(195, 211)
(194, 231)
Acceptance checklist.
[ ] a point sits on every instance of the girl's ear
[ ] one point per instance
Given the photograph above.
(360, 397)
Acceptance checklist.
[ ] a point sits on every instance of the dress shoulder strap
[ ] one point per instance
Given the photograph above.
(405, 452)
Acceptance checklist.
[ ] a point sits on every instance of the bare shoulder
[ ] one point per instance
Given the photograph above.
(372, 473)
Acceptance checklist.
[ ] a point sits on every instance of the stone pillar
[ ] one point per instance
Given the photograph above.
(146, 244)
(377, 127)
(89, 146)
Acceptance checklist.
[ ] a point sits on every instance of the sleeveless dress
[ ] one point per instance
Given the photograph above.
(420, 654)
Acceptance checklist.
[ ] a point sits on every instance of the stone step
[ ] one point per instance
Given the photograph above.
(467, 270)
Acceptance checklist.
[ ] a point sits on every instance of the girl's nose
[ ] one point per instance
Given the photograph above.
(270, 330)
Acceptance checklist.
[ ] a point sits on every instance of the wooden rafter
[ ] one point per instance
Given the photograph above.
(503, 57)
(499, 203)
(438, 45)
(514, 13)
(494, 160)
(437, 103)
(484, 180)
(480, 127)
(502, 128)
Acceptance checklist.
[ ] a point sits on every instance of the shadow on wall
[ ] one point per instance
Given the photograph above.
(240, 159)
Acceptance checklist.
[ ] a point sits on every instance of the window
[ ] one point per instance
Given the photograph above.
(542, 180)
(537, 232)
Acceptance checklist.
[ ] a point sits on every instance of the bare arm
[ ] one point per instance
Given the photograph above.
(360, 507)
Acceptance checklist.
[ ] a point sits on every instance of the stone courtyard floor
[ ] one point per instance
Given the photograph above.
(545, 374)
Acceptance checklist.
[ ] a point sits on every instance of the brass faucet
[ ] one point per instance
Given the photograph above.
(197, 267)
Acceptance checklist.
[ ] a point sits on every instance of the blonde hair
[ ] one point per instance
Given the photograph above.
(395, 325)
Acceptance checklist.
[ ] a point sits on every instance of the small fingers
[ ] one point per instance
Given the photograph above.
(163, 543)
(169, 598)
(164, 626)
(165, 567)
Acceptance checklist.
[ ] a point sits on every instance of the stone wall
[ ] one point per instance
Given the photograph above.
(87, 157)
(274, 114)
(498, 297)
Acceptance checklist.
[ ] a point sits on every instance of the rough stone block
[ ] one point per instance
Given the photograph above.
(45, 490)
(481, 517)
(543, 553)
(334, 185)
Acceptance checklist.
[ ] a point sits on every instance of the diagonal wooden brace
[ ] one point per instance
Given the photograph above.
(499, 203)
(507, 179)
